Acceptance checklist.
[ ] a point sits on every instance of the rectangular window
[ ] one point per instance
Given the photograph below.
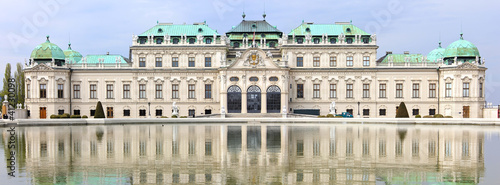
(349, 61)
(92, 112)
(333, 61)
(432, 90)
(208, 61)
(60, 112)
(191, 91)
(366, 61)
(432, 112)
(159, 112)
(366, 90)
(333, 90)
(191, 62)
(416, 91)
(316, 62)
(93, 91)
(175, 91)
(158, 62)
(28, 91)
(175, 61)
(366, 112)
(159, 91)
(76, 112)
(142, 112)
(382, 91)
(399, 90)
(300, 90)
(60, 90)
(448, 90)
(142, 91)
(415, 112)
(382, 112)
(126, 91)
(191, 112)
(208, 91)
(76, 91)
(316, 93)
(466, 90)
(348, 93)
(109, 91)
(480, 90)
(142, 62)
(300, 62)
(126, 112)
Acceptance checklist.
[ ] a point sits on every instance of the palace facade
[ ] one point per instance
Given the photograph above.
(256, 68)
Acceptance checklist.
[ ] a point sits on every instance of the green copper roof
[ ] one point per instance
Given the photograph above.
(72, 56)
(108, 59)
(178, 30)
(461, 48)
(47, 51)
(330, 29)
(400, 58)
(436, 54)
(257, 37)
(254, 26)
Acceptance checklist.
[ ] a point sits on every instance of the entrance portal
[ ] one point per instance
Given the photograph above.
(234, 99)
(273, 99)
(253, 99)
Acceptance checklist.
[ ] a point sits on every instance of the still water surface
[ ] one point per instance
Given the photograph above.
(253, 154)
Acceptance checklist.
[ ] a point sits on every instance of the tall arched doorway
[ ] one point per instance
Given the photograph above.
(273, 99)
(253, 99)
(234, 99)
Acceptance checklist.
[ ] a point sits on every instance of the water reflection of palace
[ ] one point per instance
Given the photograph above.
(254, 153)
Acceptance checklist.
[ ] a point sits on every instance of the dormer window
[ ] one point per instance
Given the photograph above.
(333, 41)
(236, 44)
(208, 41)
(300, 40)
(200, 30)
(366, 40)
(349, 40)
(263, 35)
(175, 41)
(159, 41)
(348, 30)
(191, 41)
(316, 40)
(308, 29)
(142, 41)
(272, 44)
(160, 30)
(254, 26)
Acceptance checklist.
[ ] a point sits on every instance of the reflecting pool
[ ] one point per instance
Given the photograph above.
(251, 154)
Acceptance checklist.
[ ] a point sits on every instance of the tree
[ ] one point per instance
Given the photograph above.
(99, 112)
(5, 89)
(402, 112)
(19, 76)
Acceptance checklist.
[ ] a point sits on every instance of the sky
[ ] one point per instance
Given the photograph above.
(97, 27)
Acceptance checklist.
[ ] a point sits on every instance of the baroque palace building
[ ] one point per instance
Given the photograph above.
(256, 68)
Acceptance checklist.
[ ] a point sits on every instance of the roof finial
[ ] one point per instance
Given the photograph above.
(243, 15)
(48, 38)
(69, 46)
(439, 44)
(461, 36)
(264, 15)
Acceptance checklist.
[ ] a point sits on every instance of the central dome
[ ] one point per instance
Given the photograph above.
(47, 51)
(461, 48)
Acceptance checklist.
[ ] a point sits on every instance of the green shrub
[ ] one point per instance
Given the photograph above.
(99, 111)
(65, 115)
(402, 112)
(321, 116)
(448, 117)
(75, 116)
(428, 116)
(164, 117)
(438, 116)
(183, 116)
(330, 116)
(338, 116)
(418, 116)
(174, 116)
(53, 116)
(85, 116)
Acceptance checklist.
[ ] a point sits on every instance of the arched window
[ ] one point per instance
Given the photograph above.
(208, 41)
(175, 41)
(200, 30)
(333, 41)
(348, 30)
(308, 29)
(234, 79)
(142, 41)
(349, 40)
(316, 40)
(300, 40)
(273, 79)
(160, 30)
(366, 40)
(236, 44)
(272, 44)
(159, 41)
(191, 41)
(254, 79)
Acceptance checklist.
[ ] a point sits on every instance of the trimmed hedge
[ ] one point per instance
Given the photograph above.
(85, 116)
(164, 117)
(402, 112)
(428, 116)
(330, 116)
(418, 116)
(174, 116)
(448, 117)
(438, 116)
(53, 116)
(321, 116)
(99, 111)
(183, 116)
(65, 116)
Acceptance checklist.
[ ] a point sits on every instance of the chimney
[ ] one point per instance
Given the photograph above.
(388, 52)
(407, 52)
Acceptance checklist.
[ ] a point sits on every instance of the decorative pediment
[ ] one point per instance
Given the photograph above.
(253, 58)
(42, 67)
(467, 65)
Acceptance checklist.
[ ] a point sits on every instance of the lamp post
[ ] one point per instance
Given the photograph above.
(149, 109)
(358, 110)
